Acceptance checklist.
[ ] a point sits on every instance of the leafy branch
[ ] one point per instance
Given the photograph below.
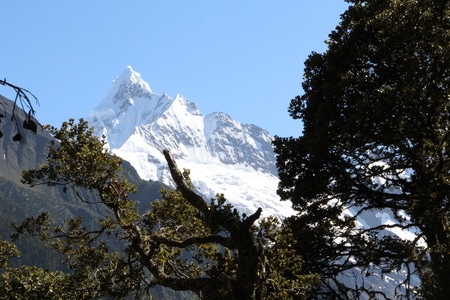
(22, 98)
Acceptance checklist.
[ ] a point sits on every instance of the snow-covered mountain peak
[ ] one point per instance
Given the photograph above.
(129, 103)
(129, 76)
(125, 90)
(224, 155)
(127, 86)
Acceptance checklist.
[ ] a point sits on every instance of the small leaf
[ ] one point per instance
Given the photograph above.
(17, 137)
(30, 125)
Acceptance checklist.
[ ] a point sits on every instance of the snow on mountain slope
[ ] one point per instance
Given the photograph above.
(224, 155)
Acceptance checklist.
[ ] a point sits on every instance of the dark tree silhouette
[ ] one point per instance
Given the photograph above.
(376, 114)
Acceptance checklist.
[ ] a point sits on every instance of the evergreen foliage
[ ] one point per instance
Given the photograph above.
(376, 135)
(182, 242)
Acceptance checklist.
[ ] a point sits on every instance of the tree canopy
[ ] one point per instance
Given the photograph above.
(182, 242)
(375, 111)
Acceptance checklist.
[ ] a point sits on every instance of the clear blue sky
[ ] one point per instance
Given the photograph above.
(244, 58)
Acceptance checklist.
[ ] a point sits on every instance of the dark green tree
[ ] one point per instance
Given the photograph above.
(182, 242)
(376, 119)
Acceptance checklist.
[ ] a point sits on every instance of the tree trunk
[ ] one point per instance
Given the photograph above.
(436, 285)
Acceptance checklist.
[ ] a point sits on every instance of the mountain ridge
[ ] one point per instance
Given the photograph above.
(224, 155)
